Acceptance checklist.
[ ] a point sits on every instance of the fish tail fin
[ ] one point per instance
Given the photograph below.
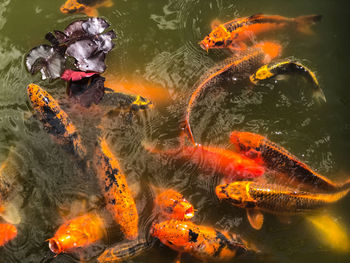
(186, 132)
(108, 3)
(305, 22)
(319, 96)
(91, 12)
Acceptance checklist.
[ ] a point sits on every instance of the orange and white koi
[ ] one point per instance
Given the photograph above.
(234, 32)
(7, 233)
(277, 199)
(245, 62)
(81, 231)
(114, 186)
(277, 158)
(124, 251)
(173, 205)
(88, 7)
(199, 241)
(55, 120)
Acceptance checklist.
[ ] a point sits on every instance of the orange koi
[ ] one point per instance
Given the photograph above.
(55, 120)
(228, 163)
(115, 189)
(124, 251)
(275, 199)
(88, 7)
(244, 62)
(279, 159)
(81, 231)
(7, 233)
(199, 241)
(173, 205)
(234, 32)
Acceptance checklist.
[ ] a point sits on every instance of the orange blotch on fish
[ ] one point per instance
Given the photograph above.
(87, 7)
(7, 233)
(173, 205)
(78, 232)
(114, 186)
(157, 94)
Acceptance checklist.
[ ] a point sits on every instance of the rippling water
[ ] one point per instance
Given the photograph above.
(157, 46)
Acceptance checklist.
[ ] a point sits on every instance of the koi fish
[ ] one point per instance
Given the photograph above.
(126, 101)
(173, 205)
(271, 198)
(279, 159)
(55, 120)
(114, 186)
(10, 200)
(234, 32)
(81, 231)
(288, 67)
(87, 7)
(199, 241)
(244, 62)
(124, 251)
(228, 163)
(7, 233)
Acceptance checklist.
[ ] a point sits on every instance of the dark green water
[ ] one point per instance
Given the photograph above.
(157, 43)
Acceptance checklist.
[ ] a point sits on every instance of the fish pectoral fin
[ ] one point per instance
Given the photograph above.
(178, 258)
(255, 218)
(215, 23)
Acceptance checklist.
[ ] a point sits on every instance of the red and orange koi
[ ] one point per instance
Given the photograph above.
(55, 120)
(114, 186)
(7, 233)
(277, 199)
(228, 163)
(244, 62)
(277, 158)
(173, 205)
(234, 32)
(199, 241)
(88, 7)
(81, 231)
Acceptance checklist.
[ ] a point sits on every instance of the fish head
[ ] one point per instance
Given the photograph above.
(72, 6)
(173, 205)
(37, 96)
(246, 141)
(216, 39)
(237, 193)
(173, 233)
(55, 245)
(261, 74)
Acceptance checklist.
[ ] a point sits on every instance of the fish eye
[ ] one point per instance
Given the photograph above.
(219, 43)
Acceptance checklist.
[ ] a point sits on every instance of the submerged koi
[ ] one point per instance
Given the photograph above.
(87, 7)
(77, 232)
(55, 120)
(279, 159)
(173, 205)
(288, 67)
(124, 251)
(115, 189)
(245, 62)
(199, 241)
(273, 199)
(121, 100)
(241, 29)
(7, 233)
(228, 163)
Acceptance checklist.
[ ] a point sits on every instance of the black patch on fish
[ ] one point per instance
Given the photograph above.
(54, 125)
(193, 236)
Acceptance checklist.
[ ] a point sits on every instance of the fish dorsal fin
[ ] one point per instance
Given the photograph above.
(215, 23)
(255, 218)
(255, 16)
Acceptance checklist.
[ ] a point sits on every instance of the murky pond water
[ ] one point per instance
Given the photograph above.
(157, 55)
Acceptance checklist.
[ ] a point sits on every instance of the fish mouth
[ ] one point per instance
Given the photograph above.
(55, 245)
(204, 46)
